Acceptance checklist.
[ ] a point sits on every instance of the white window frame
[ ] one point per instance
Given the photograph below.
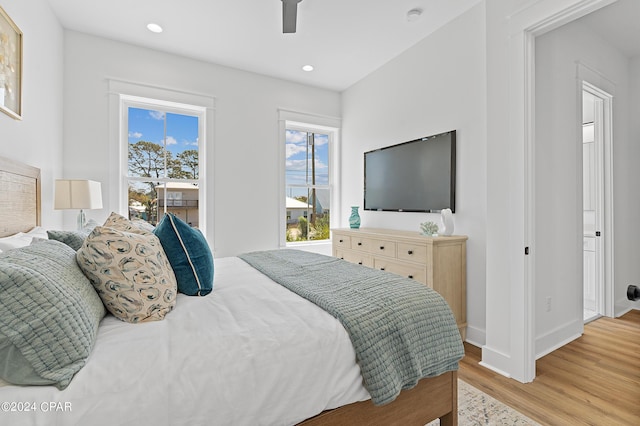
(123, 95)
(311, 123)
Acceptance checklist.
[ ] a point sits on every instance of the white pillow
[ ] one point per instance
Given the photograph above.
(39, 232)
(22, 239)
(15, 241)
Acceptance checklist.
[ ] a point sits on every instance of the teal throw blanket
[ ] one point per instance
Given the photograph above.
(401, 330)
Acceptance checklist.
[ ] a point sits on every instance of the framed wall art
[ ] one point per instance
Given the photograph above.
(10, 67)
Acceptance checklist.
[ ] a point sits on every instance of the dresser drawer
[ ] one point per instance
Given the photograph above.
(383, 248)
(412, 252)
(341, 241)
(407, 270)
(362, 244)
(358, 257)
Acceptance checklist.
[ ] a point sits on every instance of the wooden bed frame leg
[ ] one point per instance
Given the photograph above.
(451, 419)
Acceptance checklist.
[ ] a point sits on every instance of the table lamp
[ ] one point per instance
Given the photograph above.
(78, 194)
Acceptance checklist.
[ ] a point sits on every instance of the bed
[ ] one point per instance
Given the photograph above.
(253, 352)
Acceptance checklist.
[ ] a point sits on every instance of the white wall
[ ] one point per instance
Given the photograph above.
(558, 178)
(502, 200)
(243, 180)
(37, 138)
(435, 86)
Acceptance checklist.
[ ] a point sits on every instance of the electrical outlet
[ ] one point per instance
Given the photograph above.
(547, 304)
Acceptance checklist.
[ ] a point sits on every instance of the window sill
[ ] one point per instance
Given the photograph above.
(322, 247)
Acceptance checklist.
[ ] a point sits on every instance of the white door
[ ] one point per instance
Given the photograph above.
(593, 186)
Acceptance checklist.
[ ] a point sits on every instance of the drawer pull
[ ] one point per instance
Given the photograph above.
(410, 276)
(360, 263)
(410, 252)
(341, 241)
(381, 247)
(382, 269)
(359, 244)
(342, 258)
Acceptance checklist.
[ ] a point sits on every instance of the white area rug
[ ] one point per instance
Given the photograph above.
(476, 408)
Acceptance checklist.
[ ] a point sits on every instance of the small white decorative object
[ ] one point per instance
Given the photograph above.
(447, 222)
(429, 228)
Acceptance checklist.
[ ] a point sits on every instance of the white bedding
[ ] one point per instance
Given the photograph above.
(250, 353)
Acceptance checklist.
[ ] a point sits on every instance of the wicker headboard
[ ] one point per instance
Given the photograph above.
(19, 197)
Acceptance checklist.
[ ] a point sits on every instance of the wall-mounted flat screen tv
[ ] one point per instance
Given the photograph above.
(414, 176)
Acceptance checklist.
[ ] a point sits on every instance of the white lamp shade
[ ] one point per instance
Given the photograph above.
(78, 194)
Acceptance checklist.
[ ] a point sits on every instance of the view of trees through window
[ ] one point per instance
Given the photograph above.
(163, 165)
(307, 186)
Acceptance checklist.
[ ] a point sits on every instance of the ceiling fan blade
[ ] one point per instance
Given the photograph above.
(289, 13)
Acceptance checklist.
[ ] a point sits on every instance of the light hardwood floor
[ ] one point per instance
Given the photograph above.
(594, 380)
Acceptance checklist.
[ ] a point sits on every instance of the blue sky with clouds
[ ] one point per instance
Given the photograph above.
(148, 125)
(298, 158)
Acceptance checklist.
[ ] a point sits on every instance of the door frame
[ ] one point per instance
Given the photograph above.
(524, 26)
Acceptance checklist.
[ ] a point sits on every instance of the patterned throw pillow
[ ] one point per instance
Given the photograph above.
(189, 255)
(130, 272)
(73, 239)
(121, 223)
(49, 315)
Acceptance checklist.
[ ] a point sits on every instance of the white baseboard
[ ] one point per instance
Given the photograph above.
(495, 361)
(621, 311)
(558, 337)
(476, 336)
(624, 305)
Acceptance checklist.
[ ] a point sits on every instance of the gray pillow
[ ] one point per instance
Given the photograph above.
(49, 315)
(73, 239)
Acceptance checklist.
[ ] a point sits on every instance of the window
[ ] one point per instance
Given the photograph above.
(307, 184)
(161, 107)
(163, 160)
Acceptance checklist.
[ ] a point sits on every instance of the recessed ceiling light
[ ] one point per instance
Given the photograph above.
(307, 68)
(414, 14)
(154, 28)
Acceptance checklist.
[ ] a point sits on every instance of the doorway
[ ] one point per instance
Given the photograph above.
(511, 333)
(596, 149)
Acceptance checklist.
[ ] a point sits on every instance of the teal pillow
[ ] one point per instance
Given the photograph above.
(49, 315)
(188, 253)
(73, 239)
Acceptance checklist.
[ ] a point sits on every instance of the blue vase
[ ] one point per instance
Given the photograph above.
(354, 219)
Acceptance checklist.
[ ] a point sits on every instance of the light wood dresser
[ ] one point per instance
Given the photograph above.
(438, 262)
